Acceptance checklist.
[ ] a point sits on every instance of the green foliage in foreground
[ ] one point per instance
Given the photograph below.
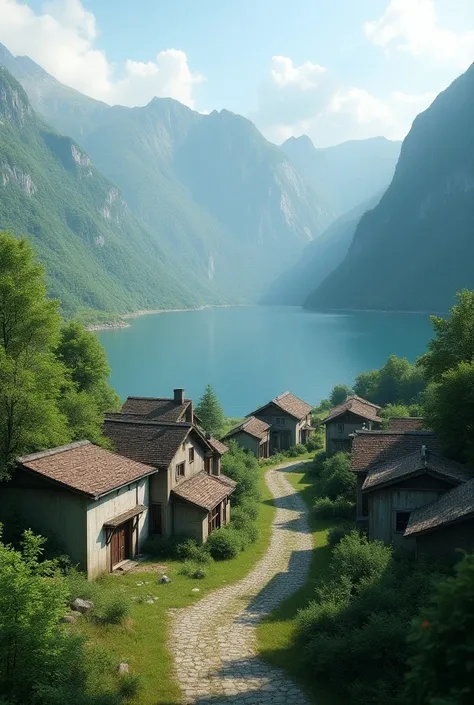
(334, 486)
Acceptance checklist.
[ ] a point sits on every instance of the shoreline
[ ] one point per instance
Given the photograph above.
(122, 321)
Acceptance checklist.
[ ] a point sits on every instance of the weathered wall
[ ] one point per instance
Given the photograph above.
(189, 520)
(100, 511)
(339, 430)
(248, 442)
(443, 542)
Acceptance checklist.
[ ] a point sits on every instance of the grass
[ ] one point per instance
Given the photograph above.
(142, 639)
(276, 634)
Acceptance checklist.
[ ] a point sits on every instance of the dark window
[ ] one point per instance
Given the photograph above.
(280, 420)
(214, 519)
(340, 429)
(180, 470)
(401, 521)
(154, 514)
(191, 455)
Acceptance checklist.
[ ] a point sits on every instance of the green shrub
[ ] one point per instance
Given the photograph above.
(316, 440)
(336, 478)
(337, 533)
(224, 544)
(189, 549)
(358, 559)
(325, 508)
(251, 532)
(193, 570)
(295, 451)
(130, 684)
(79, 586)
(249, 506)
(319, 616)
(160, 547)
(114, 609)
(244, 468)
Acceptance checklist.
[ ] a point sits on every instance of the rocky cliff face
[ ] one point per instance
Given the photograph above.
(416, 248)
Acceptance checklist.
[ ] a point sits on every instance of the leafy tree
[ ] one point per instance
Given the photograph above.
(210, 411)
(449, 410)
(339, 394)
(393, 410)
(441, 667)
(454, 339)
(336, 479)
(396, 382)
(30, 376)
(366, 385)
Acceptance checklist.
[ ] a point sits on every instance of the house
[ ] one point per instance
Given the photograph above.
(172, 409)
(401, 424)
(94, 503)
(373, 448)
(399, 487)
(289, 418)
(446, 525)
(344, 419)
(188, 494)
(253, 435)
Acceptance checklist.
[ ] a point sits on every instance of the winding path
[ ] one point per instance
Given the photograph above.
(214, 641)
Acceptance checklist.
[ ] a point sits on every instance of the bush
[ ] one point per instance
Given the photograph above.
(295, 451)
(249, 506)
(316, 440)
(159, 547)
(223, 544)
(190, 550)
(79, 586)
(359, 560)
(337, 533)
(336, 478)
(129, 685)
(244, 468)
(325, 508)
(114, 609)
(193, 570)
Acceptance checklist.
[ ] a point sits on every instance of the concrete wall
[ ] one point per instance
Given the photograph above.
(443, 542)
(108, 507)
(55, 513)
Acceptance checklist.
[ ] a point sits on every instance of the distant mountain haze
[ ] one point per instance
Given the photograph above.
(348, 174)
(415, 249)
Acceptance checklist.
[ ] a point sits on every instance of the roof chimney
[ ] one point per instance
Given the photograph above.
(178, 396)
(423, 454)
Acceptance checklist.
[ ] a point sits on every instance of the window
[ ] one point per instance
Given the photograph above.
(154, 514)
(180, 470)
(401, 521)
(279, 420)
(340, 429)
(191, 455)
(214, 519)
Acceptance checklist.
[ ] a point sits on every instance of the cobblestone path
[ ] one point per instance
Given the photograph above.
(214, 641)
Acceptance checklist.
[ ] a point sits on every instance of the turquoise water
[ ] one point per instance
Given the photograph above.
(251, 354)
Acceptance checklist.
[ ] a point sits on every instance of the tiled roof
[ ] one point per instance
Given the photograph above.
(355, 405)
(86, 468)
(219, 447)
(456, 504)
(253, 426)
(155, 408)
(408, 423)
(226, 480)
(370, 448)
(203, 490)
(415, 464)
(289, 403)
(151, 442)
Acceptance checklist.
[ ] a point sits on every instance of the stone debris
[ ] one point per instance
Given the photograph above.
(151, 601)
(123, 668)
(82, 606)
(195, 590)
(70, 618)
(164, 579)
(214, 640)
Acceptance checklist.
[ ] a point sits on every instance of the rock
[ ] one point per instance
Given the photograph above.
(164, 579)
(195, 590)
(82, 606)
(138, 584)
(70, 618)
(123, 667)
(150, 602)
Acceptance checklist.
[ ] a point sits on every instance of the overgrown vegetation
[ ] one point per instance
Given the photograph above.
(334, 486)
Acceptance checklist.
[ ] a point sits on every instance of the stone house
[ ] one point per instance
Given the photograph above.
(252, 435)
(398, 488)
(188, 494)
(94, 503)
(289, 419)
(343, 420)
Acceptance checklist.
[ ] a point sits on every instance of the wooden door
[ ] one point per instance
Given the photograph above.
(120, 543)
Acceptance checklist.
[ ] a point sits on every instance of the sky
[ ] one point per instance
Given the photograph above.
(332, 69)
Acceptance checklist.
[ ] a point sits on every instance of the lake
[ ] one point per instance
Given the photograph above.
(252, 354)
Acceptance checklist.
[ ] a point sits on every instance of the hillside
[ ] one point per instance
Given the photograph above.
(416, 247)
(318, 260)
(97, 255)
(348, 174)
(227, 206)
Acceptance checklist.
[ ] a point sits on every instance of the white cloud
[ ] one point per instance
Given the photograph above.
(307, 99)
(412, 26)
(62, 38)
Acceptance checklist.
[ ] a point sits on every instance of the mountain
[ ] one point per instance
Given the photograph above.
(97, 254)
(319, 259)
(416, 248)
(228, 207)
(348, 174)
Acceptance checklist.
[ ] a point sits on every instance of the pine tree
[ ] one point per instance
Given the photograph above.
(210, 412)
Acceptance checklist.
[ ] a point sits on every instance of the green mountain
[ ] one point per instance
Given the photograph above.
(416, 248)
(97, 254)
(348, 174)
(318, 260)
(228, 207)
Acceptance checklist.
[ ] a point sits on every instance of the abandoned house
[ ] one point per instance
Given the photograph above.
(252, 435)
(172, 409)
(343, 420)
(188, 495)
(289, 419)
(92, 502)
(402, 424)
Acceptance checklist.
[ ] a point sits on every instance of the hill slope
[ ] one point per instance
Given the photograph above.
(348, 174)
(97, 255)
(319, 259)
(416, 248)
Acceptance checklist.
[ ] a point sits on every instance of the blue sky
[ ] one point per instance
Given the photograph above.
(334, 69)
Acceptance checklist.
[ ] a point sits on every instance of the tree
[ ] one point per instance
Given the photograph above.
(31, 378)
(339, 394)
(441, 667)
(336, 478)
(366, 385)
(210, 411)
(454, 339)
(396, 382)
(449, 411)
